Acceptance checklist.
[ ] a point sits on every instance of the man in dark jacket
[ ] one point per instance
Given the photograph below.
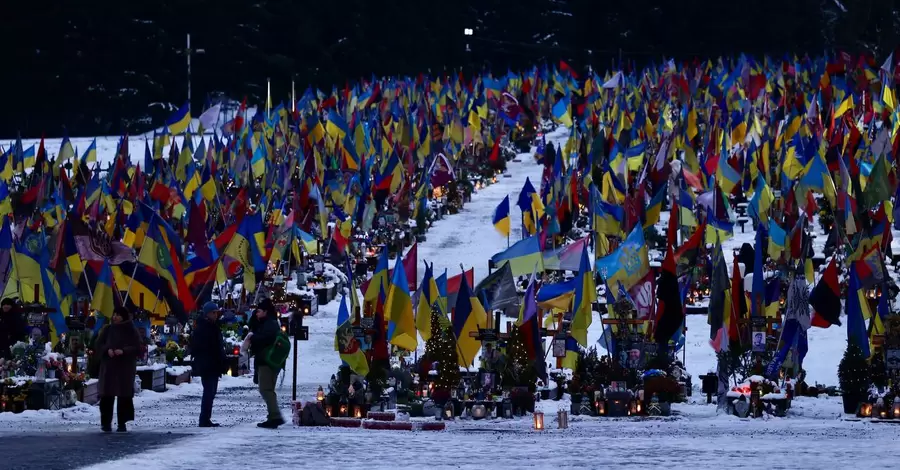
(12, 327)
(208, 352)
(263, 335)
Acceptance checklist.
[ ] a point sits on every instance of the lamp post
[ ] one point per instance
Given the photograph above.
(188, 52)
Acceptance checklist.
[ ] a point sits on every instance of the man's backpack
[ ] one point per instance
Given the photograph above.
(276, 355)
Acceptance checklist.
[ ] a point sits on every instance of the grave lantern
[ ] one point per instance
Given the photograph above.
(357, 413)
(865, 410)
(538, 421)
(562, 417)
(478, 411)
(896, 411)
(600, 405)
(320, 395)
(448, 410)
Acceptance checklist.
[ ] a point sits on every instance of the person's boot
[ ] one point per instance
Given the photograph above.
(209, 424)
(106, 427)
(271, 423)
(121, 428)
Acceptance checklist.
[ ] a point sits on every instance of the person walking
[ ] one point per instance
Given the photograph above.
(208, 352)
(12, 327)
(265, 331)
(119, 345)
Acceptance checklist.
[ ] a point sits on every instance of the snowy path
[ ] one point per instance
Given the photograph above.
(591, 443)
(469, 238)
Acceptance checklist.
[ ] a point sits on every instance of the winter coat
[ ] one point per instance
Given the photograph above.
(117, 373)
(208, 350)
(264, 335)
(12, 329)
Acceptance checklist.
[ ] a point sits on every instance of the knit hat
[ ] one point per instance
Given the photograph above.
(210, 307)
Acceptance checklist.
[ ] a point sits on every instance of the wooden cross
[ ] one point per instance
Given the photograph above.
(492, 332)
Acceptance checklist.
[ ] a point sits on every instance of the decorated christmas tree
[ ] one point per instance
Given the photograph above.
(520, 369)
(853, 371)
(440, 349)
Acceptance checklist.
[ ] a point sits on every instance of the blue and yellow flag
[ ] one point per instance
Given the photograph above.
(379, 279)
(468, 317)
(180, 121)
(248, 246)
(628, 264)
(103, 301)
(501, 217)
(522, 257)
(346, 344)
(398, 307)
(428, 296)
(585, 296)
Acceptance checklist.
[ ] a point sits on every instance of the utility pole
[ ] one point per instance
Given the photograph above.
(188, 52)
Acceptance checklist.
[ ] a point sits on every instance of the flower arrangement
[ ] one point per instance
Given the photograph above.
(74, 381)
(174, 352)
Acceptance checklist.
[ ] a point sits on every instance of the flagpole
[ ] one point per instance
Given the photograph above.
(137, 263)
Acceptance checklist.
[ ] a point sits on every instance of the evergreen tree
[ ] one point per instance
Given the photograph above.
(441, 349)
(853, 371)
(520, 367)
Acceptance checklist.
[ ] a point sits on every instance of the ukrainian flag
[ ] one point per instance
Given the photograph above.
(628, 263)
(468, 317)
(585, 296)
(607, 217)
(379, 279)
(501, 217)
(522, 257)
(651, 215)
(6, 165)
(398, 307)
(561, 112)
(103, 292)
(248, 246)
(28, 157)
(428, 296)
(180, 121)
(777, 237)
(208, 186)
(346, 344)
(5, 200)
(309, 242)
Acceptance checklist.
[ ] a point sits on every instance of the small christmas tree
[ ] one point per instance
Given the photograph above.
(853, 371)
(520, 367)
(441, 349)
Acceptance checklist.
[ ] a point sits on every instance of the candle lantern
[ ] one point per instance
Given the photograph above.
(896, 411)
(632, 408)
(343, 411)
(478, 411)
(507, 409)
(320, 395)
(538, 421)
(236, 351)
(600, 405)
(357, 413)
(865, 410)
(448, 410)
(329, 410)
(562, 417)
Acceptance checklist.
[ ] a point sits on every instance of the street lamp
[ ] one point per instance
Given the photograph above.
(188, 52)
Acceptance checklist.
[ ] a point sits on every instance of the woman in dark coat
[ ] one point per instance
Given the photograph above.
(118, 345)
